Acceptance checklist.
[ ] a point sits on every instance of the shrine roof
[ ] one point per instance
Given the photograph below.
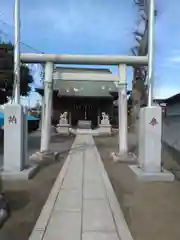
(89, 82)
(83, 82)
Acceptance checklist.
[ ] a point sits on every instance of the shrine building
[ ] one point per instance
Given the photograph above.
(84, 93)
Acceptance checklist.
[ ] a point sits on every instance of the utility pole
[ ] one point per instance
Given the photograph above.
(150, 81)
(17, 52)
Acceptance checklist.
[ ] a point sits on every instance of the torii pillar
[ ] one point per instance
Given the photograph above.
(122, 154)
(45, 153)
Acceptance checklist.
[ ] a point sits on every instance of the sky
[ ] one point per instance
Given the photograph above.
(97, 27)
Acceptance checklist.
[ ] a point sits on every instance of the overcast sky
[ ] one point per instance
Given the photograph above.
(98, 27)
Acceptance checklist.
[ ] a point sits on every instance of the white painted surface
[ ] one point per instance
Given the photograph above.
(123, 148)
(82, 203)
(122, 109)
(84, 59)
(17, 60)
(47, 108)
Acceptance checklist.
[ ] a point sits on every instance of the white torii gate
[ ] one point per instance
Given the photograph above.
(150, 160)
(90, 60)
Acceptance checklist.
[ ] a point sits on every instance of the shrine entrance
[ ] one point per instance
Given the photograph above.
(81, 109)
(86, 111)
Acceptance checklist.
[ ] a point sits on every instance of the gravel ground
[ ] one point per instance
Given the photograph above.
(151, 209)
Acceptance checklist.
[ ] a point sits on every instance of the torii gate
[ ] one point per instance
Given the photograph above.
(149, 159)
(50, 60)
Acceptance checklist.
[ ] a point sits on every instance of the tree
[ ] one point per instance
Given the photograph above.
(139, 89)
(7, 74)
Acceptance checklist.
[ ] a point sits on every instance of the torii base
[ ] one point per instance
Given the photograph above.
(25, 174)
(163, 176)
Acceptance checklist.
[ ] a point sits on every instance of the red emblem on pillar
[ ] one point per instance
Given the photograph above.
(153, 122)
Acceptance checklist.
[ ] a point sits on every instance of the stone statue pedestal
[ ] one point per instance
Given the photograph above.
(105, 122)
(63, 126)
(63, 122)
(63, 129)
(105, 126)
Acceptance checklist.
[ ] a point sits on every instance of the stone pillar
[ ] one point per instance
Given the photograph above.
(13, 138)
(15, 144)
(47, 109)
(150, 132)
(150, 139)
(122, 110)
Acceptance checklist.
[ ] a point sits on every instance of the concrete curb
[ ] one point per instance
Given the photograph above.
(45, 215)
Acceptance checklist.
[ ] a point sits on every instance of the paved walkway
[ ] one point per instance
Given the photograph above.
(82, 204)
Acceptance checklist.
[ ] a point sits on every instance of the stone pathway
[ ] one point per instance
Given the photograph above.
(82, 204)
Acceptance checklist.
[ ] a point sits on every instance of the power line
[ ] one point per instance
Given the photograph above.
(25, 44)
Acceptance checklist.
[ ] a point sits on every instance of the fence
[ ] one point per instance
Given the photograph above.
(171, 126)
